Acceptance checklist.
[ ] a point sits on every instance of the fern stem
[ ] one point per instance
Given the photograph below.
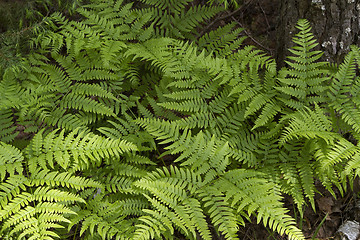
(77, 226)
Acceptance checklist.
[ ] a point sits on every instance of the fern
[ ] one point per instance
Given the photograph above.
(212, 164)
(7, 129)
(224, 41)
(176, 18)
(343, 85)
(309, 124)
(305, 81)
(141, 128)
(42, 153)
(11, 161)
(40, 199)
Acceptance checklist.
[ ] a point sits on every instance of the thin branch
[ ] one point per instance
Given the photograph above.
(263, 11)
(251, 37)
(219, 18)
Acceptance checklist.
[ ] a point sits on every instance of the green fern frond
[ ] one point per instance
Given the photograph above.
(103, 218)
(186, 106)
(352, 167)
(256, 103)
(231, 120)
(159, 110)
(231, 132)
(153, 50)
(268, 112)
(11, 92)
(306, 173)
(38, 228)
(77, 150)
(343, 85)
(174, 201)
(187, 21)
(170, 5)
(223, 41)
(12, 187)
(221, 102)
(151, 228)
(306, 77)
(185, 94)
(311, 125)
(36, 220)
(176, 18)
(222, 216)
(59, 118)
(289, 181)
(11, 160)
(92, 90)
(7, 128)
(241, 192)
(340, 151)
(197, 120)
(161, 129)
(64, 179)
(244, 146)
(81, 102)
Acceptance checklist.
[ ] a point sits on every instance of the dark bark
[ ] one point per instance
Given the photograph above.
(336, 25)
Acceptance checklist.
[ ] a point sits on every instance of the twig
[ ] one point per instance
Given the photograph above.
(219, 18)
(267, 22)
(231, 14)
(251, 37)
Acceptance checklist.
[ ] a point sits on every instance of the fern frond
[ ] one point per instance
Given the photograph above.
(186, 106)
(64, 179)
(103, 218)
(311, 125)
(342, 150)
(7, 128)
(197, 120)
(189, 20)
(77, 149)
(268, 112)
(177, 18)
(222, 216)
(173, 204)
(223, 41)
(40, 194)
(79, 102)
(161, 129)
(306, 77)
(247, 192)
(306, 172)
(11, 92)
(231, 120)
(11, 188)
(153, 50)
(342, 86)
(11, 161)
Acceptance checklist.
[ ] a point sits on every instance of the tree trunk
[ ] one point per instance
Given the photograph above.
(335, 23)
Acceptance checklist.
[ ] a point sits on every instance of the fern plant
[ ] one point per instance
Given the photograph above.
(292, 140)
(179, 19)
(40, 185)
(136, 133)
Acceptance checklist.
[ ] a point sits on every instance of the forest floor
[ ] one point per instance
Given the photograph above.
(259, 18)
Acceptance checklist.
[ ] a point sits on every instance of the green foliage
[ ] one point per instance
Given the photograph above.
(305, 81)
(177, 18)
(227, 3)
(137, 129)
(20, 20)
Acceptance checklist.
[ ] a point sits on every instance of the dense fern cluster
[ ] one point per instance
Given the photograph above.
(126, 125)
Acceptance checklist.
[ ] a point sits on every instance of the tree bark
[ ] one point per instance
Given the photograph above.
(335, 23)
